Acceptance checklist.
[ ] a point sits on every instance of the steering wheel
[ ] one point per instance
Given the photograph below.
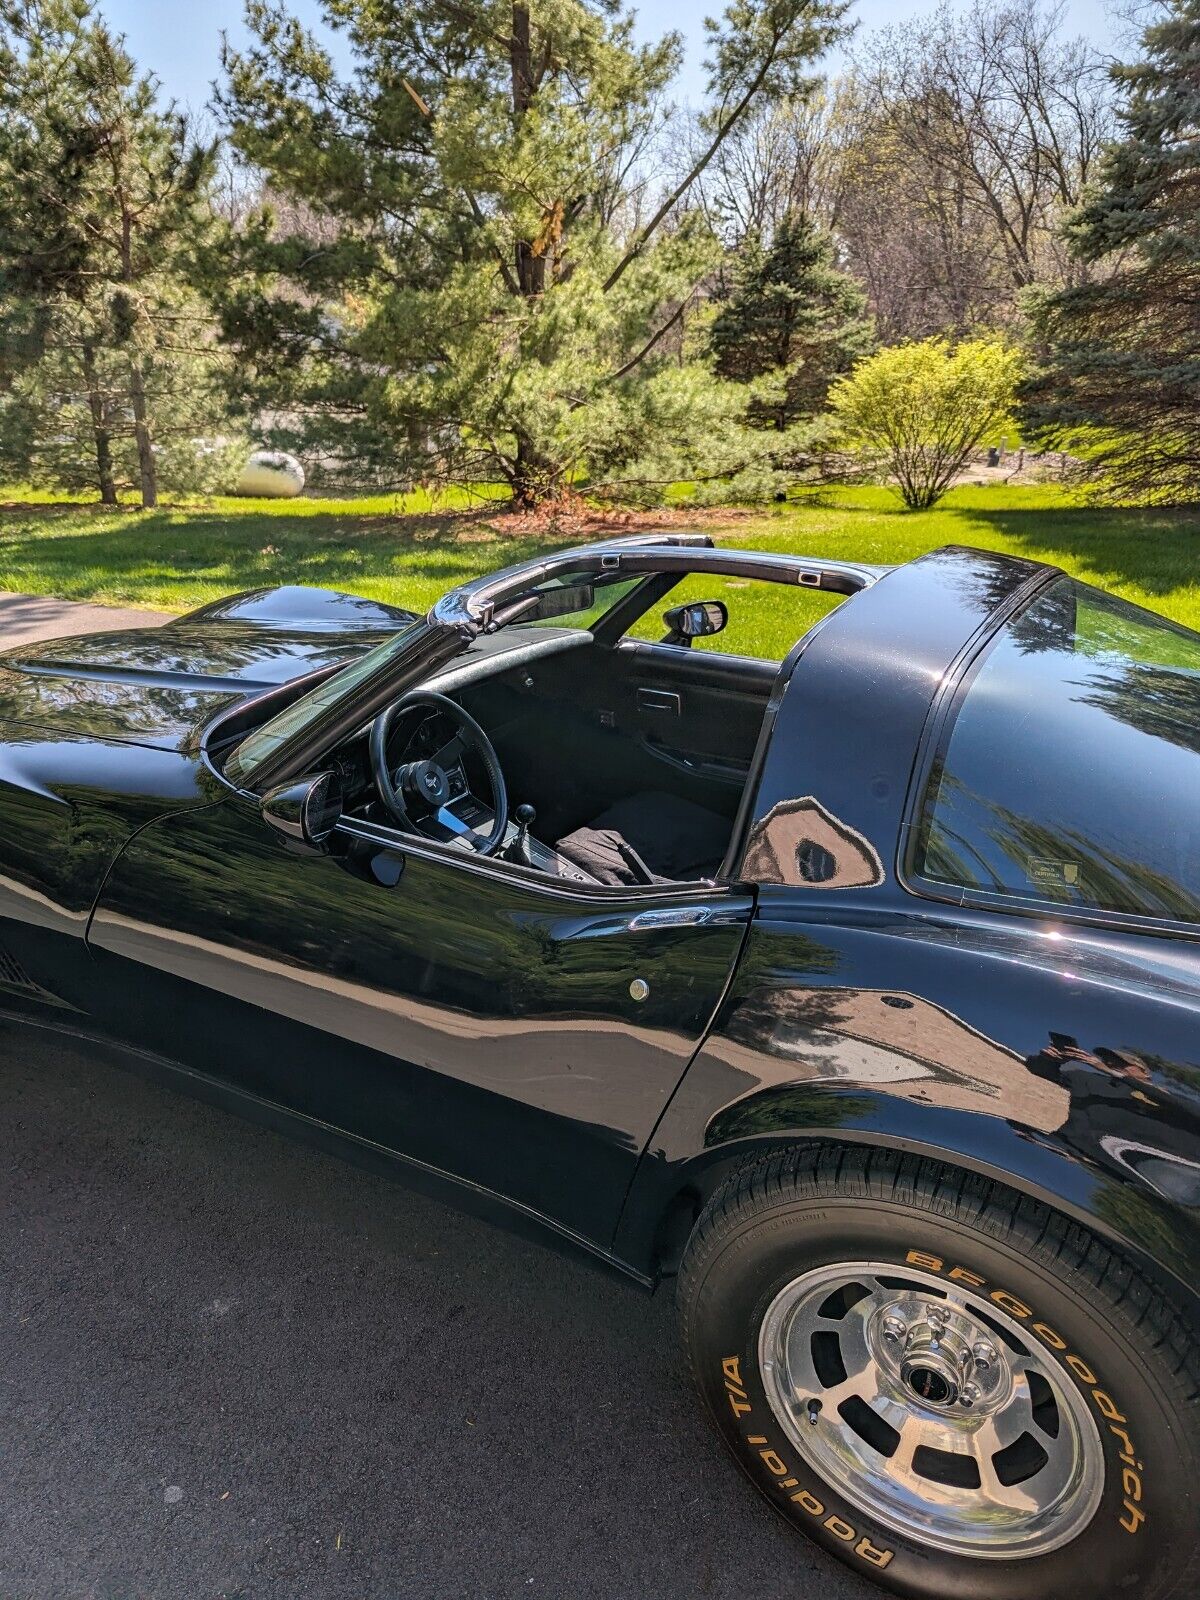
(432, 786)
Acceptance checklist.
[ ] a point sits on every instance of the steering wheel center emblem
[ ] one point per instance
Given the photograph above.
(433, 783)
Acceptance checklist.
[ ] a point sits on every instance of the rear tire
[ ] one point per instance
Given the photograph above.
(947, 1385)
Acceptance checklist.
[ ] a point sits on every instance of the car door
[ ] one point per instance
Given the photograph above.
(590, 726)
(690, 718)
(524, 1036)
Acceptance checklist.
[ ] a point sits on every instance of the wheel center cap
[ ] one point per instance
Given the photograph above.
(933, 1387)
(937, 1363)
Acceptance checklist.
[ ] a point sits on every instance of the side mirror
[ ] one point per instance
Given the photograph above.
(306, 811)
(695, 621)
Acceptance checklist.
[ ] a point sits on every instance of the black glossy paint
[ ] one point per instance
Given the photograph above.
(1041, 1050)
(478, 1021)
(154, 686)
(1062, 1059)
(67, 805)
(498, 1043)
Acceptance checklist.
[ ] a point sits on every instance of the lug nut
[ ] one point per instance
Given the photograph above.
(984, 1354)
(894, 1329)
(969, 1395)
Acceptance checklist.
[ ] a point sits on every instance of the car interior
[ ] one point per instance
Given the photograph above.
(557, 742)
(623, 762)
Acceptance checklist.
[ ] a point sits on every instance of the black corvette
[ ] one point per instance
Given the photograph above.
(857, 992)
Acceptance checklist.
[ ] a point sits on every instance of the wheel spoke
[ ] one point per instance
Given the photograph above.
(858, 1383)
(986, 1446)
(910, 1441)
(450, 754)
(1015, 1418)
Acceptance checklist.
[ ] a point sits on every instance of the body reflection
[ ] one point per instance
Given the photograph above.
(1118, 1119)
(800, 841)
(1071, 769)
(891, 1043)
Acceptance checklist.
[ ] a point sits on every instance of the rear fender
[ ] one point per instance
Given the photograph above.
(1059, 1061)
(1161, 1238)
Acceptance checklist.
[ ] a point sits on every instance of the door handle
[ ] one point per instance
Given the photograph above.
(670, 917)
(659, 700)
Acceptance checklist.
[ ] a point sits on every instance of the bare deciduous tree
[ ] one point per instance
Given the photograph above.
(943, 161)
(991, 122)
(788, 158)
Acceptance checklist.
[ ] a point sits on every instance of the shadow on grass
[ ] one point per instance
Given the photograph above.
(1156, 549)
(171, 552)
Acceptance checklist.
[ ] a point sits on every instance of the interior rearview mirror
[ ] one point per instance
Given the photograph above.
(564, 600)
(305, 811)
(694, 621)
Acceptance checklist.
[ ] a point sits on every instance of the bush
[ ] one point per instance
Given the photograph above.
(923, 408)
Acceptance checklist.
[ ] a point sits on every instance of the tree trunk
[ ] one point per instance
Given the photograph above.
(530, 476)
(141, 430)
(137, 378)
(100, 431)
(530, 261)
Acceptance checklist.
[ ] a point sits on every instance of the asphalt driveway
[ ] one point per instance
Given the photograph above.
(24, 617)
(231, 1365)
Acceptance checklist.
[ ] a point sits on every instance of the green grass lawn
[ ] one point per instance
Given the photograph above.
(411, 550)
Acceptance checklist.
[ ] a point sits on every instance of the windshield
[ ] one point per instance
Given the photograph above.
(1071, 771)
(568, 600)
(258, 746)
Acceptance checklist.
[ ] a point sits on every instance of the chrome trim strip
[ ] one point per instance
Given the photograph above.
(671, 917)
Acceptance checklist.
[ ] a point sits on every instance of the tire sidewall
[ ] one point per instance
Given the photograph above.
(1144, 1525)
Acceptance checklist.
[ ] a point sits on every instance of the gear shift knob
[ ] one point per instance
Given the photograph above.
(518, 851)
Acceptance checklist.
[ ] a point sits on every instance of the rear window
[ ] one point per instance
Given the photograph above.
(1070, 770)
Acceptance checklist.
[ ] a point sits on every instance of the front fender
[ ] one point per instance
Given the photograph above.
(68, 805)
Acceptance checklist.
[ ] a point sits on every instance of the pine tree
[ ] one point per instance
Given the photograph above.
(1120, 382)
(794, 320)
(107, 365)
(491, 304)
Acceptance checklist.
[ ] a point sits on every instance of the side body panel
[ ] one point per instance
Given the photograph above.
(1064, 1062)
(67, 805)
(473, 1022)
(1061, 1057)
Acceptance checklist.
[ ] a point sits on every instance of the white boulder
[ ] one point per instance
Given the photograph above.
(271, 475)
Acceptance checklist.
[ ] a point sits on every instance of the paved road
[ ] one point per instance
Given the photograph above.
(231, 1365)
(37, 616)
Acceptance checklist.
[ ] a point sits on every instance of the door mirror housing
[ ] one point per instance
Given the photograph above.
(694, 621)
(306, 811)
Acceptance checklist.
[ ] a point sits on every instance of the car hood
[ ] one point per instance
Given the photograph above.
(155, 686)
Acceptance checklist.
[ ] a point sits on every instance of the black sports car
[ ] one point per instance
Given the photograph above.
(857, 992)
